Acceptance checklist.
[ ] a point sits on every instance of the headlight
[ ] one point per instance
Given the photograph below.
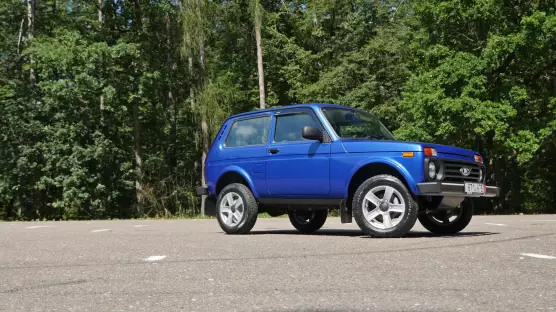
(432, 170)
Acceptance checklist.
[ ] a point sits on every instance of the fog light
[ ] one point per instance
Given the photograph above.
(432, 170)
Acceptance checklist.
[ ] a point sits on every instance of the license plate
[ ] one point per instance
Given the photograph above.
(474, 188)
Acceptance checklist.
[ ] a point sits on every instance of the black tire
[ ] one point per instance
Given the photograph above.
(313, 220)
(406, 222)
(433, 221)
(250, 212)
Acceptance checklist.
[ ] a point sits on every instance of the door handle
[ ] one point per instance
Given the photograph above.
(273, 150)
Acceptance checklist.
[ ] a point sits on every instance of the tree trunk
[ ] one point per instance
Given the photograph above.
(191, 85)
(257, 23)
(139, 192)
(31, 7)
(10, 208)
(20, 36)
(204, 124)
(101, 95)
(554, 85)
(100, 11)
(169, 58)
(171, 104)
(138, 159)
(205, 138)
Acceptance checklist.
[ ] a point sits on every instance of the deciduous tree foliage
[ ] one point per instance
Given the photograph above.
(106, 106)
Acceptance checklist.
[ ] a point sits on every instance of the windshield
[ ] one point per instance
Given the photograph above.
(355, 124)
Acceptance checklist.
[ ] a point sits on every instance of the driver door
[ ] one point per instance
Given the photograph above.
(294, 165)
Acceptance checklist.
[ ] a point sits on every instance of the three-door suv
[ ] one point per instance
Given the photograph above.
(303, 160)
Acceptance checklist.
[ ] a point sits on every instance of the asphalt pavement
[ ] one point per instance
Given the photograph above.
(499, 263)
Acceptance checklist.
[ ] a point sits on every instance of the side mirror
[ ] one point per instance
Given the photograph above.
(312, 133)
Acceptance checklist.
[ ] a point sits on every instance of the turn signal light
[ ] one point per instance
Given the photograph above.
(407, 154)
(479, 158)
(430, 152)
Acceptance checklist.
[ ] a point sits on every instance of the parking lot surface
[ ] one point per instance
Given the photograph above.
(499, 263)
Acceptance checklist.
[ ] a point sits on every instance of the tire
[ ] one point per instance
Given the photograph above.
(308, 222)
(394, 218)
(435, 221)
(246, 210)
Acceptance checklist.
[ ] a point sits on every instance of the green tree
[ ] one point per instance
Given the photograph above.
(483, 79)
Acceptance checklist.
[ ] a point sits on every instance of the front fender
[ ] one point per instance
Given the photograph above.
(386, 161)
(243, 173)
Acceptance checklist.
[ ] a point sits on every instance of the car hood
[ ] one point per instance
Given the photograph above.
(374, 146)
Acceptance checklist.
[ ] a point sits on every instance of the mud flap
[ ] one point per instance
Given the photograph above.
(345, 214)
(208, 206)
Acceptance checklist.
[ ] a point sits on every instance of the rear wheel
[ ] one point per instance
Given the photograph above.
(308, 221)
(383, 207)
(449, 221)
(237, 209)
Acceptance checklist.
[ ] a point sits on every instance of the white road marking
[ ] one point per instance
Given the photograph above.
(101, 230)
(38, 226)
(537, 256)
(154, 258)
(139, 225)
(538, 220)
(499, 224)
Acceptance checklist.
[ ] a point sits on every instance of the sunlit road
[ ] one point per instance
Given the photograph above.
(499, 263)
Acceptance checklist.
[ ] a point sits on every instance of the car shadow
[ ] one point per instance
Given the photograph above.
(358, 233)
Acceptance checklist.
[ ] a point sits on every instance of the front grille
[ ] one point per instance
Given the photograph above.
(452, 171)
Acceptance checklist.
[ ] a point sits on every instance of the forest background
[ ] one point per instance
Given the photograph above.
(107, 107)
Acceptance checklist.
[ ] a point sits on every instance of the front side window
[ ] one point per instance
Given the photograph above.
(288, 127)
(353, 124)
(247, 132)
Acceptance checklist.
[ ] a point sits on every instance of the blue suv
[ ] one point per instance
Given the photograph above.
(303, 160)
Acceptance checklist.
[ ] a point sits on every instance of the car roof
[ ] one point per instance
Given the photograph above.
(293, 106)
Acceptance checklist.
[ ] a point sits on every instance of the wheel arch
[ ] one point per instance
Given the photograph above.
(234, 174)
(371, 168)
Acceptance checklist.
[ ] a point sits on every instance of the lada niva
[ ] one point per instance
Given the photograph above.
(304, 160)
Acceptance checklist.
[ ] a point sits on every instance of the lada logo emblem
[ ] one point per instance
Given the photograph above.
(465, 171)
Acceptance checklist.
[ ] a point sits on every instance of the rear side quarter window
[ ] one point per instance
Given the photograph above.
(247, 132)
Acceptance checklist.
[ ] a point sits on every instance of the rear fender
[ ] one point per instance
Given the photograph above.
(244, 174)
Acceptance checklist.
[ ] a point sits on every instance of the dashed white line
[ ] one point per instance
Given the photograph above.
(101, 230)
(38, 226)
(154, 258)
(538, 256)
(139, 225)
(499, 224)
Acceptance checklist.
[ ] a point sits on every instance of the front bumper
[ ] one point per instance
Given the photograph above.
(453, 189)
(201, 190)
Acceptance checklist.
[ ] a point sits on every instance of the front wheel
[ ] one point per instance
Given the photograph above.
(308, 221)
(449, 221)
(382, 206)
